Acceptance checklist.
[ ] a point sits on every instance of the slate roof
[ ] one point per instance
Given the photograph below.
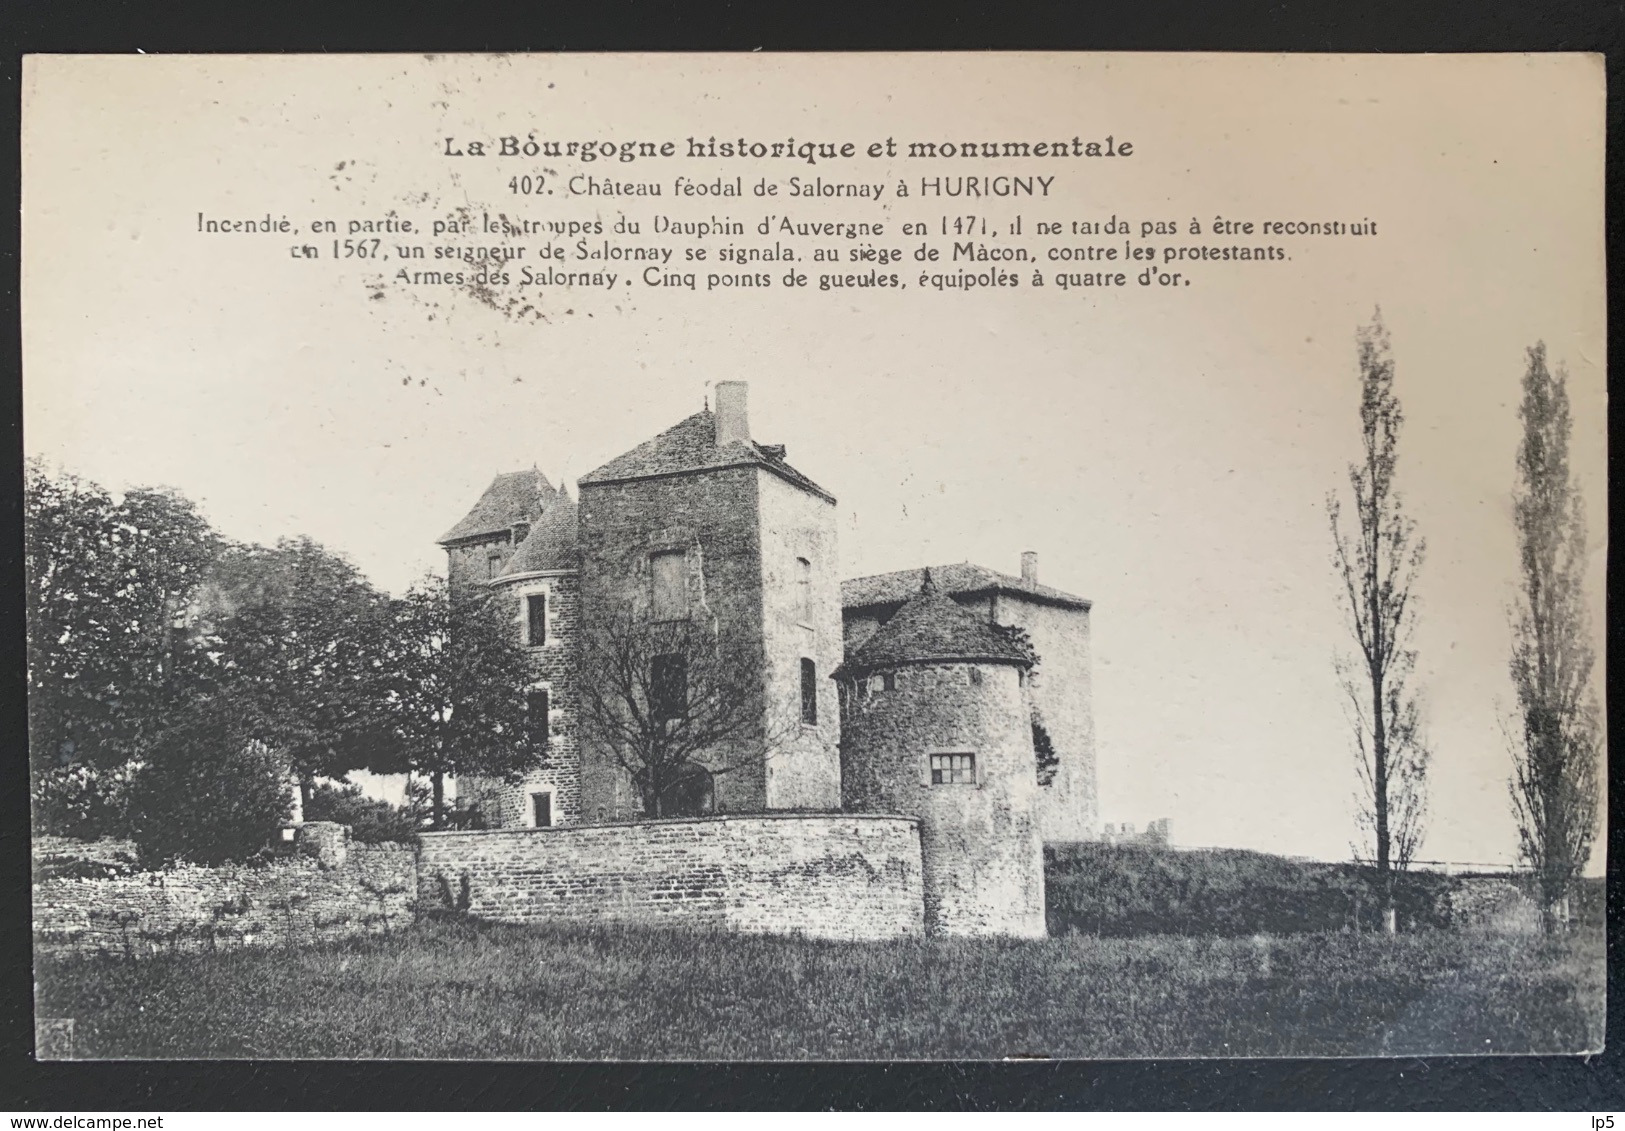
(960, 579)
(932, 628)
(551, 543)
(512, 497)
(691, 445)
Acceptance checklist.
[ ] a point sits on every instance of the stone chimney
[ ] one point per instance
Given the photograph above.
(733, 421)
(1029, 567)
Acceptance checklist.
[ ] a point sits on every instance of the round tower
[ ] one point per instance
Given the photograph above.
(936, 725)
(540, 587)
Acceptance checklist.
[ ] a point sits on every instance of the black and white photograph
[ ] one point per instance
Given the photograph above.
(848, 557)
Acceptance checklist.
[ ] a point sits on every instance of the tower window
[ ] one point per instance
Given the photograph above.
(536, 707)
(670, 586)
(953, 769)
(668, 686)
(888, 681)
(541, 810)
(536, 619)
(804, 590)
(809, 692)
(493, 563)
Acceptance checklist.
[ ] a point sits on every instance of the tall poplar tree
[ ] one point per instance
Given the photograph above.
(1377, 562)
(1554, 782)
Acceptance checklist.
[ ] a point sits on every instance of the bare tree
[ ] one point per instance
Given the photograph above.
(667, 701)
(1554, 782)
(1377, 562)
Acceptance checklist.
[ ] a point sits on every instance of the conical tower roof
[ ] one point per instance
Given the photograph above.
(516, 496)
(934, 628)
(551, 543)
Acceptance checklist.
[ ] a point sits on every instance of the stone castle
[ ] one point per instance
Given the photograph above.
(951, 702)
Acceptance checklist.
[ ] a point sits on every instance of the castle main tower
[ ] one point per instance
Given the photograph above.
(704, 527)
(937, 723)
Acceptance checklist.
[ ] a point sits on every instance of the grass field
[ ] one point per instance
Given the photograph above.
(461, 990)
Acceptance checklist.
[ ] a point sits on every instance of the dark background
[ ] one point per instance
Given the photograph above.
(1443, 1084)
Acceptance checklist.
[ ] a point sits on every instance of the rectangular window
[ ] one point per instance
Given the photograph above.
(888, 681)
(804, 590)
(537, 706)
(536, 619)
(953, 769)
(493, 564)
(541, 810)
(809, 692)
(668, 686)
(670, 585)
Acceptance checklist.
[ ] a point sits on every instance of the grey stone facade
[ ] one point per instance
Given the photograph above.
(704, 518)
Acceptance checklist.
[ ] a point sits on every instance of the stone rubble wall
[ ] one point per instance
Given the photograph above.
(331, 893)
(821, 875)
(105, 851)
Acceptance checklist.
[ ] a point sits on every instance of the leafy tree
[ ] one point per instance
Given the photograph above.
(108, 581)
(298, 633)
(83, 801)
(458, 678)
(1554, 783)
(208, 792)
(1377, 563)
(664, 699)
(371, 820)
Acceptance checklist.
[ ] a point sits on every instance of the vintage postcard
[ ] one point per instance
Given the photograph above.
(779, 557)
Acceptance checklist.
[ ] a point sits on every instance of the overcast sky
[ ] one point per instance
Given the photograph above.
(1166, 451)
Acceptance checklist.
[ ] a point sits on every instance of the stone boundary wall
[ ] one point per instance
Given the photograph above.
(823, 875)
(367, 889)
(105, 851)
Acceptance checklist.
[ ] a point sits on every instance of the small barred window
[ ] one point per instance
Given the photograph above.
(953, 769)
